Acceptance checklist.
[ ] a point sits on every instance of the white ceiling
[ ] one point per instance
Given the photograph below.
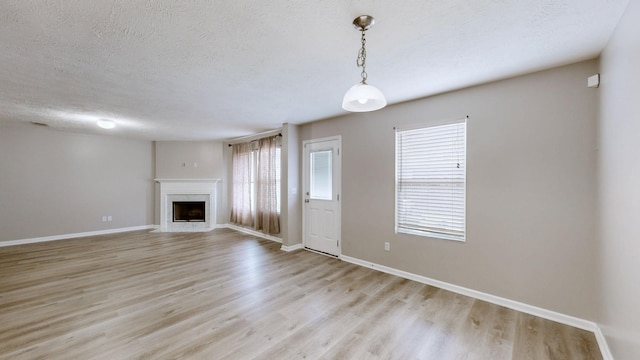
(196, 70)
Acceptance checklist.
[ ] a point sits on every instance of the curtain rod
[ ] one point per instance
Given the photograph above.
(256, 135)
(278, 134)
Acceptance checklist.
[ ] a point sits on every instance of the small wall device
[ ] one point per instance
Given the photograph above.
(593, 81)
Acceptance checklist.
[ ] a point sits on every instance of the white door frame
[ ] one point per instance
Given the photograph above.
(337, 178)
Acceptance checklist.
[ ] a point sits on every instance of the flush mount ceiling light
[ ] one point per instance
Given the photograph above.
(106, 124)
(363, 97)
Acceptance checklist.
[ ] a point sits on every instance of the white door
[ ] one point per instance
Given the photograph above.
(321, 212)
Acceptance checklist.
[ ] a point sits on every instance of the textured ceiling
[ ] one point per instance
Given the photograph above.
(195, 70)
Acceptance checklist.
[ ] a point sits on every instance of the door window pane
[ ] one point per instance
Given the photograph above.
(321, 184)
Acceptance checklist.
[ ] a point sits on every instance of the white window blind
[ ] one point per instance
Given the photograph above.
(430, 180)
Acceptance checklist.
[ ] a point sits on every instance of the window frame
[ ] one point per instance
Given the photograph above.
(422, 232)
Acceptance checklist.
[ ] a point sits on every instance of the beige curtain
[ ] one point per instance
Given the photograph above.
(268, 186)
(241, 195)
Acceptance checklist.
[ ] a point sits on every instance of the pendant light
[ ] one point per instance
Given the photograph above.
(363, 97)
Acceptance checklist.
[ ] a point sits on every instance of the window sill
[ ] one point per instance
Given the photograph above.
(431, 235)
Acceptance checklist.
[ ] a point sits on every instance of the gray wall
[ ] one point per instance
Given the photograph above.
(189, 160)
(56, 183)
(192, 160)
(619, 250)
(530, 189)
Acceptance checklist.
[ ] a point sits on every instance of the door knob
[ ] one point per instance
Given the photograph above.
(306, 200)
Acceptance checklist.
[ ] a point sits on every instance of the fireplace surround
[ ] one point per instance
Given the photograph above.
(188, 191)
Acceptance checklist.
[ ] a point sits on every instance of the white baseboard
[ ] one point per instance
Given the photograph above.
(252, 232)
(602, 343)
(291, 247)
(75, 235)
(515, 305)
(262, 235)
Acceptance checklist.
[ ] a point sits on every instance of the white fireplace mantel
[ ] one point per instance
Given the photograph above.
(186, 190)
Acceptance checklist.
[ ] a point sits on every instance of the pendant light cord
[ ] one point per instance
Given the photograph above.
(361, 60)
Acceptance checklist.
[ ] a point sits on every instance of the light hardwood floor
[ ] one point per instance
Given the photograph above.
(226, 295)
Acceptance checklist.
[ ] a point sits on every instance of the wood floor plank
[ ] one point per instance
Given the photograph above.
(227, 295)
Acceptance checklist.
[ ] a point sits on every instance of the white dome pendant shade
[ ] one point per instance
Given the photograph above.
(363, 97)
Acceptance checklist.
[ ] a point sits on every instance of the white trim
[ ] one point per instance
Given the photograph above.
(75, 235)
(515, 305)
(253, 232)
(602, 343)
(291, 247)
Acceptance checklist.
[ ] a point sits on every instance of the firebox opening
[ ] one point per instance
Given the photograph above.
(188, 211)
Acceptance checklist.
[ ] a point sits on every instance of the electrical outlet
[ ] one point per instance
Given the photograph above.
(104, 217)
(109, 218)
(387, 246)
